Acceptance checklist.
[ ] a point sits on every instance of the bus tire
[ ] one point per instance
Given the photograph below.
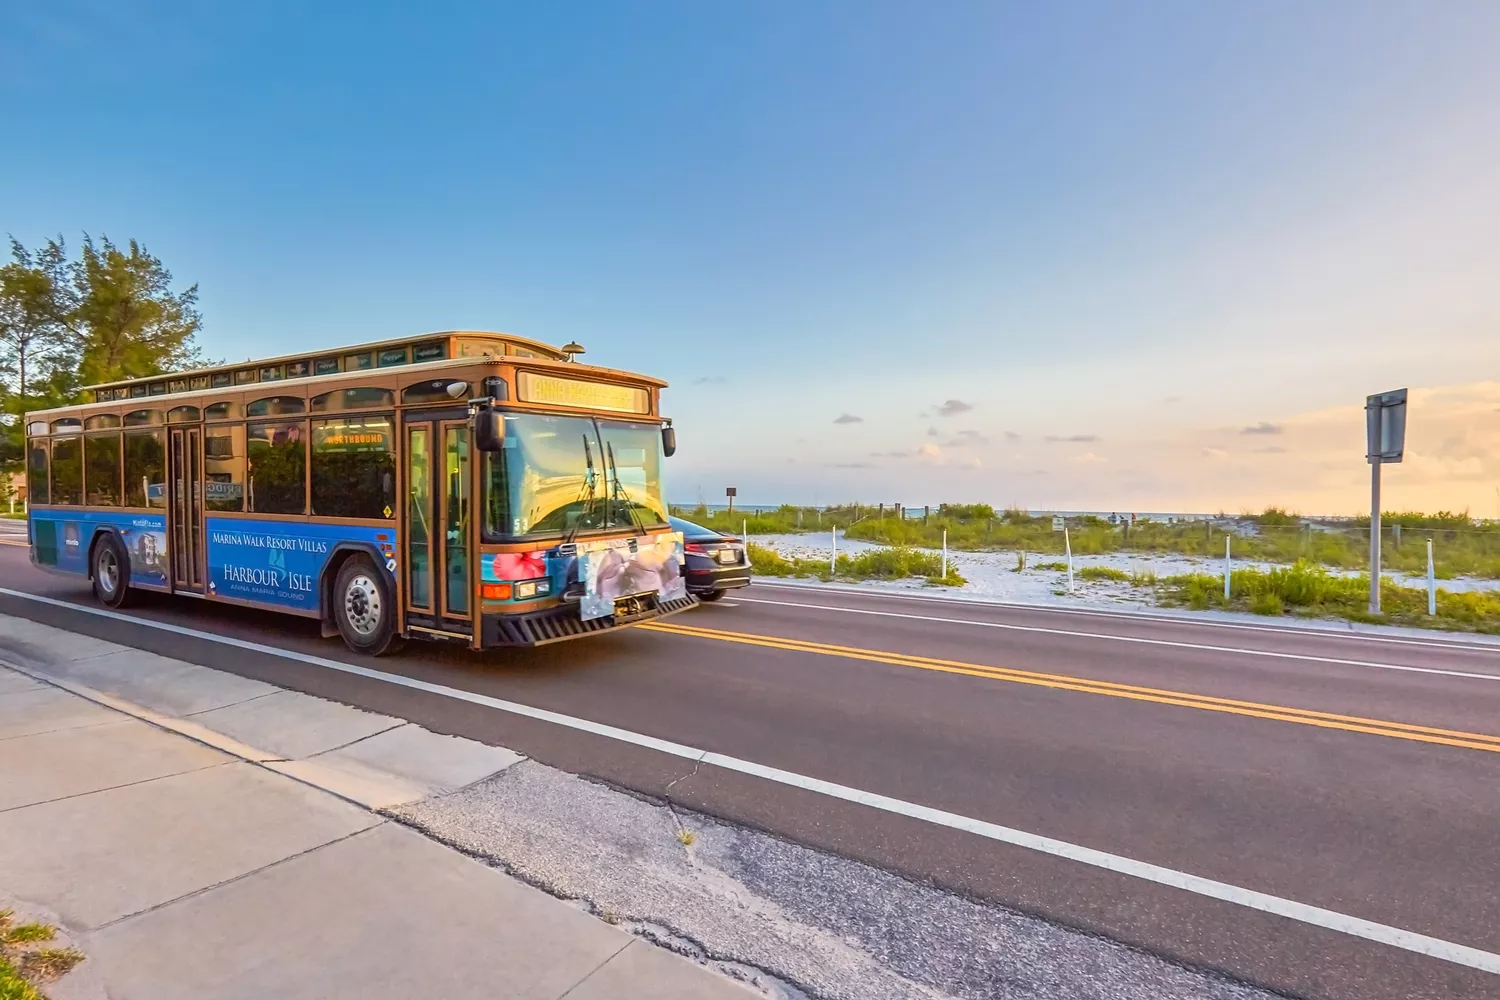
(363, 607)
(110, 569)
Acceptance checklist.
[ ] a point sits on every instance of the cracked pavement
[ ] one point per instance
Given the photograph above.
(794, 922)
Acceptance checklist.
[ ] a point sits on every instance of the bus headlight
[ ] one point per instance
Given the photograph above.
(533, 588)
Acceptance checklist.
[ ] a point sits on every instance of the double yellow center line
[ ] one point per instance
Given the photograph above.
(1065, 682)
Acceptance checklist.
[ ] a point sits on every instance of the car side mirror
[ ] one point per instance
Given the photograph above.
(669, 441)
(489, 430)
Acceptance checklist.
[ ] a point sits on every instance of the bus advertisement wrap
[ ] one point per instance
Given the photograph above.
(623, 567)
(62, 539)
(280, 562)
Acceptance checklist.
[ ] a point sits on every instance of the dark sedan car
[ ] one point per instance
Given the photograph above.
(715, 562)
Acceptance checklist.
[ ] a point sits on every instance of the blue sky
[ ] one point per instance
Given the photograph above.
(1117, 235)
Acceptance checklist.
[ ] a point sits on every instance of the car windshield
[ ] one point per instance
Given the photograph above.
(557, 474)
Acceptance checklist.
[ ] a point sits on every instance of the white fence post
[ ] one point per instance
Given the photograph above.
(1226, 567)
(1431, 582)
(945, 553)
(1068, 545)
(833, 558)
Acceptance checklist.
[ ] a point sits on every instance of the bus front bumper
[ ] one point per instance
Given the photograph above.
(537, 628)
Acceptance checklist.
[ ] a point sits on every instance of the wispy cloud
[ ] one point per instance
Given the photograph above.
(890, 454)
(848, 418)
(965, 438)
(953, 407)
(930, 452)
(1273, 449)
(1215, 453)
(1012, 436)
(710, 380)
(1264, 427)
(933, 432)
(850, 465)
(1087, 458)
(1073, 438)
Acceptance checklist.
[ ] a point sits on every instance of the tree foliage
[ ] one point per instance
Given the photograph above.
(36, 304)
(109, 314)
(130, 322)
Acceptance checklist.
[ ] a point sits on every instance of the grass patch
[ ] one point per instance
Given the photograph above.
(23, 966)
(872, 564)
(27, 933)
(1307, 589)
(1104, 573)
(1056, 567)
(47, 964)
(786, 519)
(1461, 546)
(686, 837)
(13, 986)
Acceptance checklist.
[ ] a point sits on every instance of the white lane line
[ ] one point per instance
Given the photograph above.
(1298, 631)
(1317, 916)
(1107, 637)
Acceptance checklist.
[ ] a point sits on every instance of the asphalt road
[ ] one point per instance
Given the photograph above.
(1345, 772)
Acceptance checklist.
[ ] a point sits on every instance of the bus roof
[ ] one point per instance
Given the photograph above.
(447, 345)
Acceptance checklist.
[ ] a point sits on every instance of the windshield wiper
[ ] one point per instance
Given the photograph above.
(617, 491)
(586, 495)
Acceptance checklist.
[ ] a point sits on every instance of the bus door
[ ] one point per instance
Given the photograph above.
(185, 507)
(439, 528)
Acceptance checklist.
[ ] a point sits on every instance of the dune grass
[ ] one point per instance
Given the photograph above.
(1308, 589)
(872, 564)
(1461, 546)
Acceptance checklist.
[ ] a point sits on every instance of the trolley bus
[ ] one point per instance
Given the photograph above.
(471, 487)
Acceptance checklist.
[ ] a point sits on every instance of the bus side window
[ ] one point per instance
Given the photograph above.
(101, 459)
(145, 470)
(353, 467)
(278, 467)
(224, 467)
(67, 470)
(36, 472)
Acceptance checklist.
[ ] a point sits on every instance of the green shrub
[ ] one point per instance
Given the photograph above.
(966, 511)
(1276, 517)
(1054, 566)
(1310, 589)
(1267, 603)
(1104, 573)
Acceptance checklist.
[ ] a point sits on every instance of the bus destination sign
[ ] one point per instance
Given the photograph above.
(536, 388)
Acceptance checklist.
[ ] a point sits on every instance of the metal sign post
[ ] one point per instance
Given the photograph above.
(730, 493)
(1385, 442)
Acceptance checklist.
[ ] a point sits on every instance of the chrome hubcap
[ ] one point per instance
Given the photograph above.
(362, 605)
(108, 571)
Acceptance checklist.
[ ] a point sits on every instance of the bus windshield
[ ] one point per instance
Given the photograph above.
(558, 474)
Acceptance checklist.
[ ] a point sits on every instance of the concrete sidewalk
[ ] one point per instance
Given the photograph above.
(205, 836)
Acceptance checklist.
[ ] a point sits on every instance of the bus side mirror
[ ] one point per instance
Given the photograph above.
(669, 441)
(489, 430)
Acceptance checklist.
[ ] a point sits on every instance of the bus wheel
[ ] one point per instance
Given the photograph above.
(363, 607)
(111, 573)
